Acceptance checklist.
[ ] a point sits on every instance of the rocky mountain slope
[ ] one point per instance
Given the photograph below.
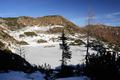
(109, 34)
(23, 21)
(27, 30)
(39, 38)
(6, 40)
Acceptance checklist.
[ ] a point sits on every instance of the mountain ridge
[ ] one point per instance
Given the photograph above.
(55, 24)
(14, 23)
(105, 33)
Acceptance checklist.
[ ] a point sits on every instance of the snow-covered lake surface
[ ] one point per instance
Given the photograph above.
(51, 54)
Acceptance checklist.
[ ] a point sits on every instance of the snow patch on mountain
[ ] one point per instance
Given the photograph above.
(33, 39)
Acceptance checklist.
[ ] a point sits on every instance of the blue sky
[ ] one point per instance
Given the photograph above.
(105, 11)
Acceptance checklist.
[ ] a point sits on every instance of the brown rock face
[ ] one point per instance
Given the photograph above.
(106, 33)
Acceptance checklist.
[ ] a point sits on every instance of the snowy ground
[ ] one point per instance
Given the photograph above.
(32, 40)
(75, 78)
(16, 34)
(12, 75)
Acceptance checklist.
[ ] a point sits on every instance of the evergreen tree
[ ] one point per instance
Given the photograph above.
(65, 71)
(66, 53)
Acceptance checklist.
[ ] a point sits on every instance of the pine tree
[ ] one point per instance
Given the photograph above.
(66, 53)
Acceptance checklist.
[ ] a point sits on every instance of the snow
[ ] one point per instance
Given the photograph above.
(32, 40)
(14, 75)
(16, 33)
(75, 78)
(51, 54)
(34, 28)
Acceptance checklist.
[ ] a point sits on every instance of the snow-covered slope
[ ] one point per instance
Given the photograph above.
(37, 30)
(48, 52)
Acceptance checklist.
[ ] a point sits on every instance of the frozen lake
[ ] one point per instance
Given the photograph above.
(51, 54)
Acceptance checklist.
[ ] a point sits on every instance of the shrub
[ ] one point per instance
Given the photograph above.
(55, 30)
(49, 46)
(41, 41)
(21, 35)
(30, 33)
(77, 42)
(117, 48)
(22, 43)
(2, 44)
